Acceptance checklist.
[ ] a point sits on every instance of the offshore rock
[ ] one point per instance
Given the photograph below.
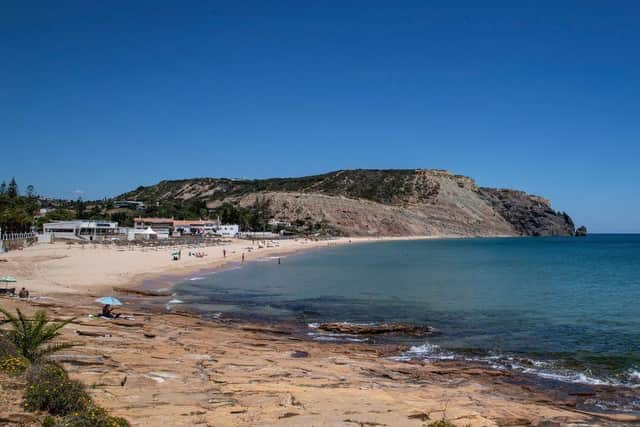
(382, 328)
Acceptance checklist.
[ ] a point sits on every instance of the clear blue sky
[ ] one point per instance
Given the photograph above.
(541, 96)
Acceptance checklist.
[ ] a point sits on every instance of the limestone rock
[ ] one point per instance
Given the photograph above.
(382, 328)
(581, 231)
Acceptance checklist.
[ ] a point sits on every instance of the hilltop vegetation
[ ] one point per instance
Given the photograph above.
(346, 202)
(366, 202)
(383, 186)
(16, 211)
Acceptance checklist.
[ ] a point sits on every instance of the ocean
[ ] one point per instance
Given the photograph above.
(562, 308)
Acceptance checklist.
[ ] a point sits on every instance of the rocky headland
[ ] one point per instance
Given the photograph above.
(365, 202)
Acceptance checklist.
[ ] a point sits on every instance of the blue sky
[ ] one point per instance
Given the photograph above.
(541, 96)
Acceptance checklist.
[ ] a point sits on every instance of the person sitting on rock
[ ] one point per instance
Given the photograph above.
(107, 311)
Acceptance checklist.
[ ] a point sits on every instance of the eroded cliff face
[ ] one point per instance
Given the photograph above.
(529, 215)
(380, 202)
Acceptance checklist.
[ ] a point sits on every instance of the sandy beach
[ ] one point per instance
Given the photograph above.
(60, 268)
(177, 370)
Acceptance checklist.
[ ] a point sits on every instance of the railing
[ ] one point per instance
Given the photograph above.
(17, 236)
(258, 235)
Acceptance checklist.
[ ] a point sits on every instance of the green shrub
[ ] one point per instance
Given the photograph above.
(442, 423)
(92, 416)
(29, 336)
(48, 371)
(7, 347)
(50, 389)
(13, 365)
(49, 421)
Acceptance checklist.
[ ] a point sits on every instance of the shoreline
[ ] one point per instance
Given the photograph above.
(463, 379)
(242, 361)
(88, 269)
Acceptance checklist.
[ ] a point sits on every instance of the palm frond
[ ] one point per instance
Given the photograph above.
(29, 335)
(54, 348)
(10, 317)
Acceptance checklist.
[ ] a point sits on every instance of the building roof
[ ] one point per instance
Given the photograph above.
(179, 222)
(81, 223)
(155, 220)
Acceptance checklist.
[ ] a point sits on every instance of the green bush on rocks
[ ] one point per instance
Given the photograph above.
(50, 389)
(92, 416)
(7, 347)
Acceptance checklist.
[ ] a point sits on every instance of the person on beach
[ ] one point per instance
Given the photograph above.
(278, 261)
(243, 257)
(107, 311)
(23, 294)
(224, 253)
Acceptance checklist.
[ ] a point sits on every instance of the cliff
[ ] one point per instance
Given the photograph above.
(377, 202)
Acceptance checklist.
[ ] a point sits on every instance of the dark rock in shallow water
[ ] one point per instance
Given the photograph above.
(383, 328)
(581, 231)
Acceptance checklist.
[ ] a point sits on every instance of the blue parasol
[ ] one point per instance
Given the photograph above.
(109, 300)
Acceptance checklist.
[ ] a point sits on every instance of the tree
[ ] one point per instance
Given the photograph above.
(95, 212)
(30, 336)
(260, 213)
(123, 218)
(3, 188)
(80, 208)
(31, 191)
(12, 191)
(55, 215)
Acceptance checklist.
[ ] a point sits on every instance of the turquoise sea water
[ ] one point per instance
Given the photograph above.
(561, 308)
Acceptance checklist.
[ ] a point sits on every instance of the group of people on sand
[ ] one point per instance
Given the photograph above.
(198, 254)
(23, 294)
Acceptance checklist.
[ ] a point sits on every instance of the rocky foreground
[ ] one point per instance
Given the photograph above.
(176, 370)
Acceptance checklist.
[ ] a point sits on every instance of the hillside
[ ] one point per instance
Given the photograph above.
(376, 202)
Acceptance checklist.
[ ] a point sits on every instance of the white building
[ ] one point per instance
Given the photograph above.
(194, 226)
(83, 230)
(227, 230)
(162, 226)
(131, 204)
(277, 223)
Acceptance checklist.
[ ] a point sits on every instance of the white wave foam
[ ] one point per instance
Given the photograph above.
(542, 369)
(634, 375)
(425, 351)
(197, 278)
(329, 336)
(569, 377)
(175, 301)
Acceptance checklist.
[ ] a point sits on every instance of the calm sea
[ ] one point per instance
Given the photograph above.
(562, 308)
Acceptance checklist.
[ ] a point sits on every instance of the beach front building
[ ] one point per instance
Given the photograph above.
(162, 226)
(227, 230)
(81, 230)
(194, 227)
(166, 227)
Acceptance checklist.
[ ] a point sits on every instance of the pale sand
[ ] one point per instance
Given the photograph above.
(196, 373)
(59, 268)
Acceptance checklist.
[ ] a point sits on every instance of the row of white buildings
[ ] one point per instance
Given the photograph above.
(160, 228)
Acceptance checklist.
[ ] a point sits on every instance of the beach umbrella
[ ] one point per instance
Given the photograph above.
(109, 300)
(7, 280)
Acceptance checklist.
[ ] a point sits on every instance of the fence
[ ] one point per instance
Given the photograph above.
(10, 241)
(5, 237)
